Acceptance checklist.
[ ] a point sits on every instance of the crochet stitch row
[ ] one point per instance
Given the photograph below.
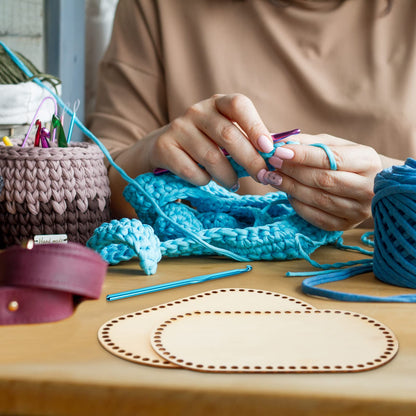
(251, 227)
(34, 176)
(52, 191)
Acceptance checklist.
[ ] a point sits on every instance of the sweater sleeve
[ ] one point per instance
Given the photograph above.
(131, 98)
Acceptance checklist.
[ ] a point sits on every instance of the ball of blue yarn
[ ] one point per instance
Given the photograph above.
(394, 212)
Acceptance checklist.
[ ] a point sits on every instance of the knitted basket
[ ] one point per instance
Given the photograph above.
(52, 191)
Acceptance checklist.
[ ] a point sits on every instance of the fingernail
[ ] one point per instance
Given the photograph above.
(265, 144)
(235, 187)
(273, 178)
(276, 162)
(284, 153)
(260, 176)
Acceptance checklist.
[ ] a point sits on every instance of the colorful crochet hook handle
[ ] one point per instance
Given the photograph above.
(178, 283)
(277, 137)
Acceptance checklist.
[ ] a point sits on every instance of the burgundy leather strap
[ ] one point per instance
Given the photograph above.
(43, 284)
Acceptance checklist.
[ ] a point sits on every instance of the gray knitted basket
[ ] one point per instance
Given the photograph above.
(52, 191)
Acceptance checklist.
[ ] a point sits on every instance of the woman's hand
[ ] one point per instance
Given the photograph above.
(330, 199)
(195, 139)
(190, 146)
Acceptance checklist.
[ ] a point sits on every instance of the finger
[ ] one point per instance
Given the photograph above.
(226, 134)
(321, 219)
(320, 138)
(352, 158)
(210, 156)
(336, 205)
(240, 109)
(169, 153)
(190, 154)
(342, 183)
(184, 166)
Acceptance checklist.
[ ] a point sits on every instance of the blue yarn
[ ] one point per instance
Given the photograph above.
(394, 210)
(122, 240)
(368, 239)
(122, 173)
(129, 238)
(394, 258)
(330, 155)
(254, 227)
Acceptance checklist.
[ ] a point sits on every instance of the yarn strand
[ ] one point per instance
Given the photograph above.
(394, 258)
(122, 173)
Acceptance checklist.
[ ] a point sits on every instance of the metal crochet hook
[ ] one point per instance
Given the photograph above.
(177, 283)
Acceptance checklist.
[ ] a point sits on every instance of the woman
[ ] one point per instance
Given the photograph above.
(183, 78)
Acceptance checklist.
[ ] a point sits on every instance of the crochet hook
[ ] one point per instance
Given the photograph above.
(177, 283)
(277, 137)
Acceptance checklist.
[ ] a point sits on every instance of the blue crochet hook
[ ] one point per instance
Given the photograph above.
(177, 283)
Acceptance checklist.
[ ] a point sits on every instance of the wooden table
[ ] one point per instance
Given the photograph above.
(61, 369)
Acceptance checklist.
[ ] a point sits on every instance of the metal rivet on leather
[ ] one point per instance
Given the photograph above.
(13, 306)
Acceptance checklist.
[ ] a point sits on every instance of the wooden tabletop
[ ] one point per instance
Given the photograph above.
(61, 369)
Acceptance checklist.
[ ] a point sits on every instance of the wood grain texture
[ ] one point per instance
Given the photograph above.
(275, 341)
(60, 368)
(128, 336)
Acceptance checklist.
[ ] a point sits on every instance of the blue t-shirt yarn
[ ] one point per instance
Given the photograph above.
(206, 220)
(394, 240)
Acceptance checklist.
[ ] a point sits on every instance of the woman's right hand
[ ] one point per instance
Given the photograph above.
(190, 146)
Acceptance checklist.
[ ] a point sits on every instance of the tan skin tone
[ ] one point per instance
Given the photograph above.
(332, 200)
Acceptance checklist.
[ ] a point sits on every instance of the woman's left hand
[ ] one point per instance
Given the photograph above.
(330, 199)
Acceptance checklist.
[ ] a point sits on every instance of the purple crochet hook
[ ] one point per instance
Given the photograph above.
(277, 137)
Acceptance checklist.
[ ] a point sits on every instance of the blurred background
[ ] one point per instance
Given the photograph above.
(64, 38)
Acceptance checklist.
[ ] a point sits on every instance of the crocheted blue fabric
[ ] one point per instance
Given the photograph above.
(180, 219)
(271, 233)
